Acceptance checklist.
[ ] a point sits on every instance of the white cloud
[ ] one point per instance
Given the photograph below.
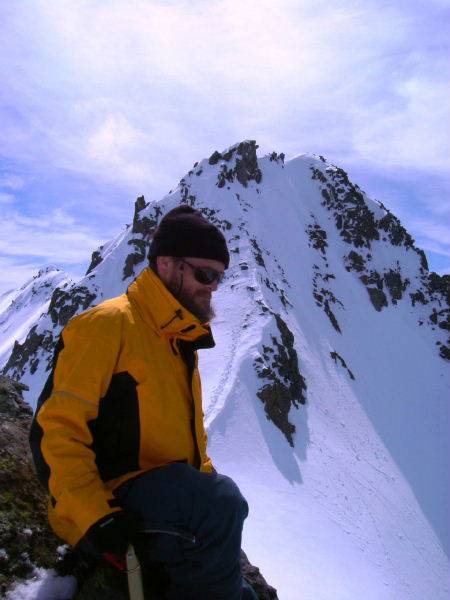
(111, 145)
(431, 236)
(131, 93)
(15, 274)
(11, 181)
(113, 86)
(414, 132)
(432, 246)
(6, 198)
(56, 237)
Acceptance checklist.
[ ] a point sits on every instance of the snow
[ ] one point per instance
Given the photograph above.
(359, 506)
(346, 514)
(44, 585)
(20, 309)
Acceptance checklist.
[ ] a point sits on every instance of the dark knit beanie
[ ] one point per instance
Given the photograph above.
(184, 231)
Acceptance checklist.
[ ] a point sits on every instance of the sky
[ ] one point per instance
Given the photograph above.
(103, 101)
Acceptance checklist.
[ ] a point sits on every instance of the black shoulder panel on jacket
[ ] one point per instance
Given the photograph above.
(187, 351)
(116, 430)
(36, 433)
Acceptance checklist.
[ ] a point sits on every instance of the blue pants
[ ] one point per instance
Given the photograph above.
(192, 525)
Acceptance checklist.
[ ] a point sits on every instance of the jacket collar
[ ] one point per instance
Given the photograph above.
(162, 311)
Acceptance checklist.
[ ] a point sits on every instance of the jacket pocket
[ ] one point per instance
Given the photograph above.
(164, 543)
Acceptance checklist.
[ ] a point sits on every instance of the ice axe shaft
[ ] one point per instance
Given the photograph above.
(134, 574)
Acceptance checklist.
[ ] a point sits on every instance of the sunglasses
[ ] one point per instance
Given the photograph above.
(205, 275)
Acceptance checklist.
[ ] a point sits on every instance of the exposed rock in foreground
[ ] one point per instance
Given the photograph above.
(26, 541)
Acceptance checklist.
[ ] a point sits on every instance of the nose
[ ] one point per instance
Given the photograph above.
(213, 286)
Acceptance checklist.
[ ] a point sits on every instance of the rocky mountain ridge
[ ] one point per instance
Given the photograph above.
(330, 372)
(362, 224)
(20, 309)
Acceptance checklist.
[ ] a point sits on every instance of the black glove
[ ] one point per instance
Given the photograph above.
(111, 537)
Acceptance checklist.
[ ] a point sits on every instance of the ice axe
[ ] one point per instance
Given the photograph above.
(134, 575)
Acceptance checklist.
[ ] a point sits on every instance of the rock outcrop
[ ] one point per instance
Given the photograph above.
(245, 167)
(25, 539)
(284, 387)
(360, 227)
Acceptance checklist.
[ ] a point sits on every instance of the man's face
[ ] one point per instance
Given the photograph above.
(179, 276)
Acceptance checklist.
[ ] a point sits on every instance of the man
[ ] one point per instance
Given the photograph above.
(118, 436)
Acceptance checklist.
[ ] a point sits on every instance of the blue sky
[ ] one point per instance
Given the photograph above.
(101, 101)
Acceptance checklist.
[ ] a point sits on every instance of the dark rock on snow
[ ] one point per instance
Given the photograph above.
(96, 259)
(66, 303)
(337, 357)
(284, 386)
(246, 164)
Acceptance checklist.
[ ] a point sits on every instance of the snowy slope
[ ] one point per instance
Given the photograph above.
(327, 395)
(20, 309)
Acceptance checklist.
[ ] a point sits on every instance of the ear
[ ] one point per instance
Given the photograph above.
(164, 265)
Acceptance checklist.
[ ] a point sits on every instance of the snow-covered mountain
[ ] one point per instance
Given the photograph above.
(20, 309)
(327, 395)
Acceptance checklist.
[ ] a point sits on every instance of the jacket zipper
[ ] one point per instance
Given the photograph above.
(185, 536)
(178, 315)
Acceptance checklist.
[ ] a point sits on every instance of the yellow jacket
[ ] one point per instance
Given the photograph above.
(124, 397)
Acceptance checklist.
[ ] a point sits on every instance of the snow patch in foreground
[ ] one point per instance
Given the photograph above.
(45, 585)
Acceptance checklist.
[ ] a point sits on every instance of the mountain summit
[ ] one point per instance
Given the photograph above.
(326, 397)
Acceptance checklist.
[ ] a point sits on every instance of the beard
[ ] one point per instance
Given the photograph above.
(198, 303)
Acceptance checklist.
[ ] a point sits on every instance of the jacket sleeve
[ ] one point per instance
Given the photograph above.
(207, 466)
(206, 463)
(81, 377)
